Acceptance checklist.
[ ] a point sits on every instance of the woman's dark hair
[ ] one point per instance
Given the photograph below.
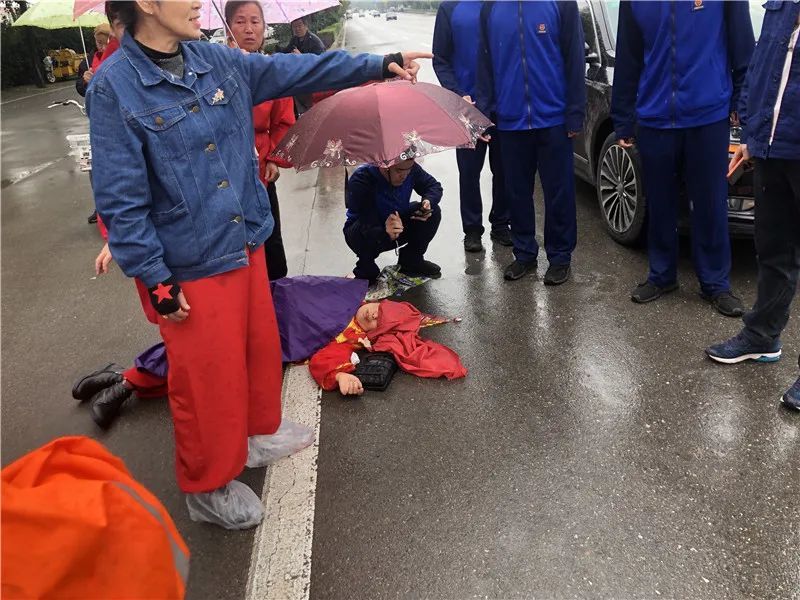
(124, 10)
(233, 5)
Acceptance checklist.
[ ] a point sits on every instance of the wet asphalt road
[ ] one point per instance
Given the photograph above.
(591, 452)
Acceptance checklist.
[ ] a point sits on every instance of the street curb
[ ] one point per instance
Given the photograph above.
(280, 565)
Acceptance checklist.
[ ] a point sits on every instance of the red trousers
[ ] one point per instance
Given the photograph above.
(225, 374)
(146, 385)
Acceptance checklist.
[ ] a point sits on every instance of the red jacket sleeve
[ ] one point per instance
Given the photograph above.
(326, 363)
(281, 119)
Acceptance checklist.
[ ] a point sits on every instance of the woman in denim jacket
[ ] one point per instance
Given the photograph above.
(178, 187)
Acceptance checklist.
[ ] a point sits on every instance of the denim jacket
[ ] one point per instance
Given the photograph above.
(175, 173)
(757, 103)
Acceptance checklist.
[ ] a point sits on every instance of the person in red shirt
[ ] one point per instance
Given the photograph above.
(272, 119)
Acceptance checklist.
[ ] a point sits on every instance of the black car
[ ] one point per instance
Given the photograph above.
(616, 172)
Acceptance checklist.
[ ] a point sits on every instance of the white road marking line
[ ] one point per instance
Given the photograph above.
(280, 566)
(53, 91)
(29, 172)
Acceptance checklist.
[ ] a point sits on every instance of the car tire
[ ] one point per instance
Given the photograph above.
(620, 193)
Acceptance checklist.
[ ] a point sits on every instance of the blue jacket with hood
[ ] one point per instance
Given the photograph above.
(679, 63)
(531, 65)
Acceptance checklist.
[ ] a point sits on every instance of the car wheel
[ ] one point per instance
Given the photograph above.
(620, 192)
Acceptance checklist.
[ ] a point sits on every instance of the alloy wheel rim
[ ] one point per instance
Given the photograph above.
(618, 190)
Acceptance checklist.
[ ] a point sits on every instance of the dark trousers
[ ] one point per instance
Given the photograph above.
(550, 152)
(777, 191)
(698, 157)
(368, 239)
(273, 247)
(470, 164)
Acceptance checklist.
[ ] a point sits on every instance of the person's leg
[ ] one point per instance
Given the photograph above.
(145, 385)
(209, 398)
(367, 240)
(269, 438)
(705, 151)
(777, 240)
(518, 150)
(659, 150)
(777, 237)
(273, 247)
(416, 236)
(499, 215)
(470, 163)
(556, 170)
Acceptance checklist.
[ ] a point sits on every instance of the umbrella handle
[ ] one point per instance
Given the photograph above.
(224, 22)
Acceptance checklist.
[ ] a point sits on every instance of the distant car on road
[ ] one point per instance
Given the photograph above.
(375, 13)
(391, 16)
(616, 172)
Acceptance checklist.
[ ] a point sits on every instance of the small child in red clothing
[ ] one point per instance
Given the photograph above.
(384, 327)
(333, 366)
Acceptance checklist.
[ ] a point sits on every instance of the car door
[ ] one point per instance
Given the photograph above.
(582, 141)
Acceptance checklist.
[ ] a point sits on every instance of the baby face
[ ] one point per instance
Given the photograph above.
(367, 316)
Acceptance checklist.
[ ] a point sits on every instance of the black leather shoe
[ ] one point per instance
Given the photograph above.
(92, 218)
(424, 269)
(472, 242)
(88, 386)
(556, 274)
(108, 403)
(726, 304)
(518, 270)
(647, 292)
(502, 237)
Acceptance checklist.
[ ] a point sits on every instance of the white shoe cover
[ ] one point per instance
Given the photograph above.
(263, 450)
(233, 506)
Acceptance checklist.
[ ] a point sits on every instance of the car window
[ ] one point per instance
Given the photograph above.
(589, 32)
(756, 16)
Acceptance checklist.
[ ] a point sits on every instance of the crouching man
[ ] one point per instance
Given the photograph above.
(382, 217)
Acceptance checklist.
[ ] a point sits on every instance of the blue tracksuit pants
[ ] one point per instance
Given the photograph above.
(470, 164)
(548, 151)
(698, 157)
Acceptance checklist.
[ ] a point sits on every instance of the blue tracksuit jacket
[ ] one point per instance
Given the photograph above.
(679, 63)
(455, 47)
(531, 65)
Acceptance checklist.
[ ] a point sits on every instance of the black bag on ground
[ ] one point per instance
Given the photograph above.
(376, 370)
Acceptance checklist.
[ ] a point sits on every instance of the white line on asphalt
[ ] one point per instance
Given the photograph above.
(29, 172)
(53, 91)
(280, 566)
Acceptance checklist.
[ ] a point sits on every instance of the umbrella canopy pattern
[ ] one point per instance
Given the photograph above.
(383, 124)
(59, 14)
(275, 11)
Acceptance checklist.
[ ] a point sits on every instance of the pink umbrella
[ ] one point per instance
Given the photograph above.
(381, 123)
(275, 11)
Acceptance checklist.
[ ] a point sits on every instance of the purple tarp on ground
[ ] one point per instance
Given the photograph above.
(311, 311)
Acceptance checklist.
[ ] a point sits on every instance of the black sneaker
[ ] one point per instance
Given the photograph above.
(91, 384)
(92, 218)
(472, 242)
(424, 269)
(518, 270)
(726, 304)
(556, 274)
(107, 405)
(502, 237)
(647, 292)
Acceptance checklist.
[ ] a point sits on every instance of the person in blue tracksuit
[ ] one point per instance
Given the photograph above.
(382, 217)
(769, 109)
(680, 66)
(455, 60)
(530, 82)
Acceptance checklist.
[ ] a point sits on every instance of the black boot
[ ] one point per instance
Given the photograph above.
(88, 386)
(107, 404)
